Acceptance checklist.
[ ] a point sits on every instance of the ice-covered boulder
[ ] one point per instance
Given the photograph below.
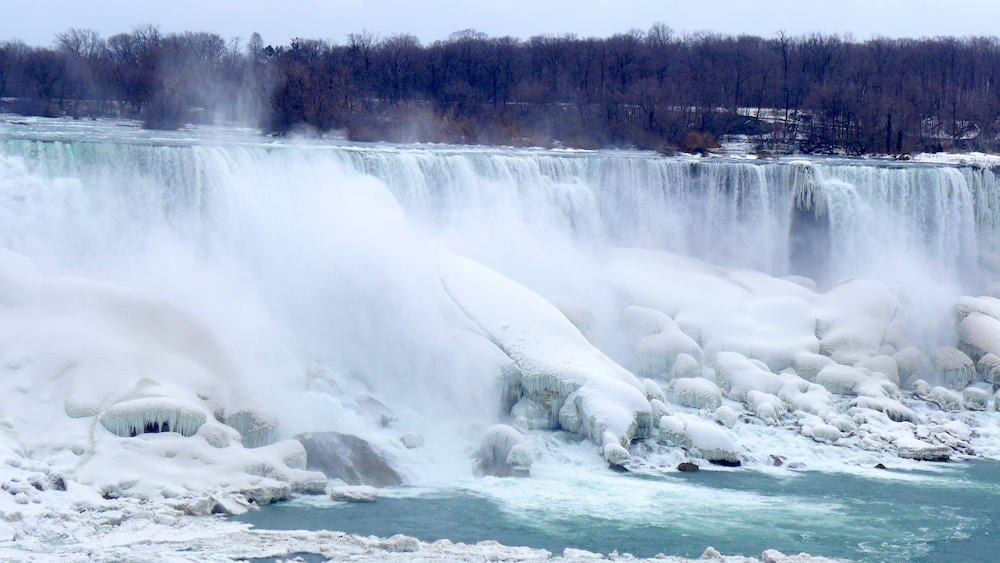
(854, 319)
(988, 368)
(854, 380)
(979, 334)
(769, 408)
(532, 415)
(653, 390)
(658, 339)
(256, 428)
(909, 360)
(894, 409)
(348, 458)
(945, 398)
(696, 393)
(975, 399)
(685, 366)
(808, 365)
(503, 453)
(883, 364)
(820, 431)
(573, 382)
(956, 369)
(701, 437)
(726, 416)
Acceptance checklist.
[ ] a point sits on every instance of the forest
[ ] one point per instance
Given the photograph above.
(651, 89)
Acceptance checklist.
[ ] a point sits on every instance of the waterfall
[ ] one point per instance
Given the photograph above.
(322, 251)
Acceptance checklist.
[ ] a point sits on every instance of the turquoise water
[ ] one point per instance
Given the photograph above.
(949, 513)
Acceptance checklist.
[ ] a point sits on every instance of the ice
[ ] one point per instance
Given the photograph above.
(697, 393)
(152, 414)
(503, 452)
(700, 437)
(566, 376)
(955, 368)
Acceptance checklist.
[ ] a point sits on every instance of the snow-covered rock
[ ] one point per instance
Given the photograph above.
(955, 368)
(696, 393)
(975, 399)
(701, 437)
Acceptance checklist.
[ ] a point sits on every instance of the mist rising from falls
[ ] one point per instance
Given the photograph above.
(312, 258)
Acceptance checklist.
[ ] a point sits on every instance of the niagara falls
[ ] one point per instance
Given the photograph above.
(540, 289)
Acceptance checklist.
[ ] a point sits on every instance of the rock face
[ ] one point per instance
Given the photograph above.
(349, 458)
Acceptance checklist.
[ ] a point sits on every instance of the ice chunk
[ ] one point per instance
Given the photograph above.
(696, 393)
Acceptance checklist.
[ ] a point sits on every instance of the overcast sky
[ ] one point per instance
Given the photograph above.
(37, 21)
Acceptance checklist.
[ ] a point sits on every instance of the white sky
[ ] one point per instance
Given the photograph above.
(37, 21)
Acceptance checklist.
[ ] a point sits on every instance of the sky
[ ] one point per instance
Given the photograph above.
(37, 21)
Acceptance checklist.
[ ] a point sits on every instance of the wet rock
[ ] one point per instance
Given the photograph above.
(880, 466)
(778, 460)
(687, 467)
(374, 410)
(349, 458)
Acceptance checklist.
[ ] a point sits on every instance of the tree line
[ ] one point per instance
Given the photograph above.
(647, 89)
